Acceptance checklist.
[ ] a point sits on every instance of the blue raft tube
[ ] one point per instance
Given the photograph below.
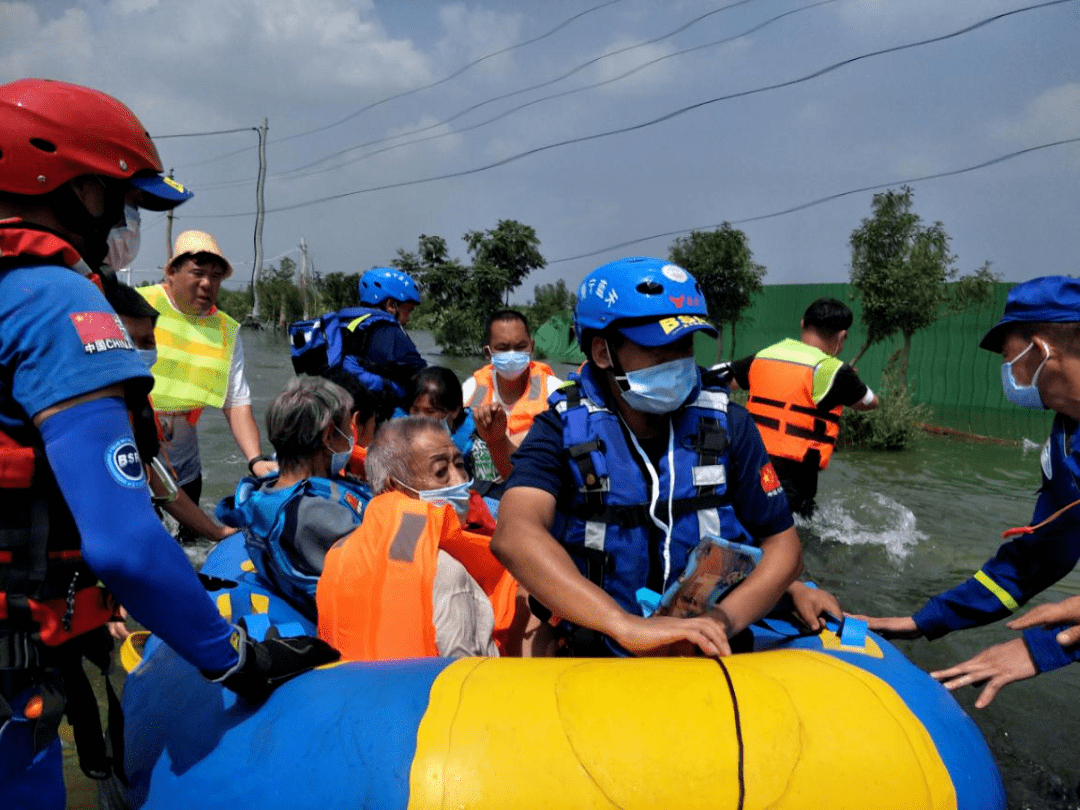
(836, 720)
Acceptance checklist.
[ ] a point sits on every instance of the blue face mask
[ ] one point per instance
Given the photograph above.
(339, 460)
(510, 365)
(1026, 396)
(148, 356)
(456, 495)
(662, 388)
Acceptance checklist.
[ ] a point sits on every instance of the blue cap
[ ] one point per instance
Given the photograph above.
(1050, 299)
(158, 192)
(666, 330)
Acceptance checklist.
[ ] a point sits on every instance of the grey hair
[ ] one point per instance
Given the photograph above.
(390, 453)
(297, 417)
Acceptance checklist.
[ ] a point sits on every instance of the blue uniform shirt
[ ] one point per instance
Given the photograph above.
(59, 338)
(543, 462)
(1026, 565)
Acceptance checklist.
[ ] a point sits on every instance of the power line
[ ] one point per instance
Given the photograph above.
(519, 91)
(520, 107)
(453, 75)
(821, 200)
(653, 121)
(200, 134)
(404, 93)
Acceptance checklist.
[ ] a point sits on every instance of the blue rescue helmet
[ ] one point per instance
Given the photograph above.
(652, 302)
(381, 283)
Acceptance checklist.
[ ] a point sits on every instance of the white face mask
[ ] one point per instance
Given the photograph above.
(124, 240)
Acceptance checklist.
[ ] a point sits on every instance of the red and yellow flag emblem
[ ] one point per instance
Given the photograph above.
(769, 479)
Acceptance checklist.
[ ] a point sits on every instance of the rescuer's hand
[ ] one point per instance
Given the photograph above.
(1065, 612)
(995, 666)
(812, 604)
(891, 626)
(265, 665)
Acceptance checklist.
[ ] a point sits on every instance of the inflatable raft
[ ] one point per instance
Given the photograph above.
(806, 722)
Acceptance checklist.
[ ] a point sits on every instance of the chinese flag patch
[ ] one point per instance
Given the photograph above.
(99, 331)
(93, 326)
(769, 479)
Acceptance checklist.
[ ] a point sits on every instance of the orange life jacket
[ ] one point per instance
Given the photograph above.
(356, 465)
(529, 405)
(786, 379)
(374, 596)
(46, 590)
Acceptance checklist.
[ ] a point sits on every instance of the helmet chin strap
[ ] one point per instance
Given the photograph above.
(71, 212)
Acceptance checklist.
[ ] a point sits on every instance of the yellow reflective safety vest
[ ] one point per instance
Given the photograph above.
(787, 380)
(194, 355)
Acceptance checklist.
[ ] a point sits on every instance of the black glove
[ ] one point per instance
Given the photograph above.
(265, 665)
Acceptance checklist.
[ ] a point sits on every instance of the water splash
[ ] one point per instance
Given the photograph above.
(1028, 446)
(855, 520)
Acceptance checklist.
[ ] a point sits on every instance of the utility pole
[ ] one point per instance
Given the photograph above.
(259, 202)
(304, 278)
(168, 231)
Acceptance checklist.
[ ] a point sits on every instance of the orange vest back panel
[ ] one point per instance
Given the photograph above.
(781, 403)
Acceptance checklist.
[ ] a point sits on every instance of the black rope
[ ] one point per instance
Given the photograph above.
(738, 731)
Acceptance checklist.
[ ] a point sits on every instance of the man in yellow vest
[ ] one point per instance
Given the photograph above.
(200, 360)
(797, 390)
(507, 393)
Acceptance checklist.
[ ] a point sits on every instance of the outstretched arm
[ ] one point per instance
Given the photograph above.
(242, 425)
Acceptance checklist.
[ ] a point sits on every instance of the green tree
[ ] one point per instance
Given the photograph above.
(279, 295)
(548, 301)
(504, 256)
(724, 266)
(457, 297)
(338, 291)
(901, 270)
(235, 303)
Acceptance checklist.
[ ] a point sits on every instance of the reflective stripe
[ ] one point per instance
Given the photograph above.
(712, 475)
(708, 523)
(594, 535)
(194, 355)
(412, 525)
(533, 400)
(713, 400)
(1003, 595)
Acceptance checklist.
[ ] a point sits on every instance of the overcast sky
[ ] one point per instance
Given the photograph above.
(723, 114)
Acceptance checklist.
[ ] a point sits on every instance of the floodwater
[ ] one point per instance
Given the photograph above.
(892, 529)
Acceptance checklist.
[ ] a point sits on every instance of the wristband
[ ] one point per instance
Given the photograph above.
(253, 461)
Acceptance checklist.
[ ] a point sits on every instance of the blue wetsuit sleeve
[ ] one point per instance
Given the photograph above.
(759, 501)
(1022, 568)
(90, 451)
(1045, 651)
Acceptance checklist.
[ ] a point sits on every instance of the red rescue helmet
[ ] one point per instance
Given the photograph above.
(52, 132)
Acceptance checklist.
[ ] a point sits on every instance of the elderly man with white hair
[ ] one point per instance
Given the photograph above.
(409, 582)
